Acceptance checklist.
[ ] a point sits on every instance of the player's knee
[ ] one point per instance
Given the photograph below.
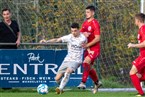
(69, 70)
(87, 60)
(132, 72)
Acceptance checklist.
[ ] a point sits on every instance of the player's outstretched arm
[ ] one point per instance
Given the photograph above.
(51, 40)
(54, 40)
(140, 45)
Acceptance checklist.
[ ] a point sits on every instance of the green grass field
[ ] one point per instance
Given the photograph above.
(68, 94)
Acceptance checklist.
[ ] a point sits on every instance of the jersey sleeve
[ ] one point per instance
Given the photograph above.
(17, 26)
(143, 34)
(65, 38)
(96, 27)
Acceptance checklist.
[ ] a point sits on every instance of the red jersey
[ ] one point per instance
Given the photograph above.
(93, 28)
(141, 38)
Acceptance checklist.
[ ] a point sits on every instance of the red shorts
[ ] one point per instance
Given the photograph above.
(92, 56)
(139, 63)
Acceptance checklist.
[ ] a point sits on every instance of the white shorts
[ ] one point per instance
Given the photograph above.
(68, 64)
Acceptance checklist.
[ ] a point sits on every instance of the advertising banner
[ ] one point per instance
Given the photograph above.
(29, 68)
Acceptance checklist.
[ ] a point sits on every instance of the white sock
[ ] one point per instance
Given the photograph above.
(64, 81)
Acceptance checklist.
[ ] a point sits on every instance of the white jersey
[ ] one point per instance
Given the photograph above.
(74, 44)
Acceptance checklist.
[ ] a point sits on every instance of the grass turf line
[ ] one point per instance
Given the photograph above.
(69, 94)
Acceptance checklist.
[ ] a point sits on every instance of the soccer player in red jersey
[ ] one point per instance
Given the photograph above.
(91, 29)
(137, 72)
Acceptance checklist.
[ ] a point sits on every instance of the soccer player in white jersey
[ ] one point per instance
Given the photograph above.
(75, 41)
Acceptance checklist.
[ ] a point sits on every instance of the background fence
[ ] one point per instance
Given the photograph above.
(52, 18)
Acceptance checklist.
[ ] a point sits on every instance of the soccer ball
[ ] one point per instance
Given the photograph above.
(42, 89)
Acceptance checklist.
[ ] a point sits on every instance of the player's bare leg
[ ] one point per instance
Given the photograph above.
(58, 81)
(58, 78)
(59, 90)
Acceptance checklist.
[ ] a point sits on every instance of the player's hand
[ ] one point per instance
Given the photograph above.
(86, 34)
(84, 45)
(130, 45)
(18, 42)
(42, 41)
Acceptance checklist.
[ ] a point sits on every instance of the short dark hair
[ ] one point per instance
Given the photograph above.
(140, 17)
(75, 25)
(6, 9)
(91, 7)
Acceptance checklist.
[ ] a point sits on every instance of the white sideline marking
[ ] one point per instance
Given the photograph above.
(112, 89)
(117, 89)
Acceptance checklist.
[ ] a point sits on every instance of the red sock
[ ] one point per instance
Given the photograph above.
(93, 75)
(136, 83)
(86, 71)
